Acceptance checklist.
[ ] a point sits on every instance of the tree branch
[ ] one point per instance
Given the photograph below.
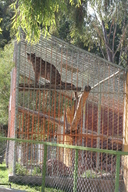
(77, 114)
(110, 30)
(102, 50)
(122, 38)
(113, 42)
(41, 115)
(106, 42)
(89, 133)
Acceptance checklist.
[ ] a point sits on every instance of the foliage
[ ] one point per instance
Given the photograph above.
(4, 180)
(35, 16)
(5, 22)
(2, 147)
(0, 27)
(89, 174)
(105, 29)
(20, 170)
(99, 27)
(6, 64)
(36, 171)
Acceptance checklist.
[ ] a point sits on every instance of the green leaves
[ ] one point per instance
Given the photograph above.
(35, 17)
(6, 64)
(0, 27)
(5, 22)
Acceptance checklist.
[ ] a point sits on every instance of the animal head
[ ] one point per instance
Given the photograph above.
(31, 57)
(87, 88)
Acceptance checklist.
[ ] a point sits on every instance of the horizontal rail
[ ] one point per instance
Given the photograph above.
(67, 146)
(86, 52)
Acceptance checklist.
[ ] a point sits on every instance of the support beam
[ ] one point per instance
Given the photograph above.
(68, 140)
(117, 173)
(59, 122)
(125, 134)
(41, 115)
(75, 172)
(98, 126)
(48, 86)
(78, 112)
(107, 78)
(44, 169)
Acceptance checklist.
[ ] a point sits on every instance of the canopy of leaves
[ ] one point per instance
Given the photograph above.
(6, 64)
(35, 16)
(108, 26)
(5, 22)
(0, 28)
(103, 31)
(99, 26)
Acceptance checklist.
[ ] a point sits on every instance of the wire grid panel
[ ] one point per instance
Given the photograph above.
(52, 94)
(52, 86)
(3, 144)
(53, 76)
(81, 175)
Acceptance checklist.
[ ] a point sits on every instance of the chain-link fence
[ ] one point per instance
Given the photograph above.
(3, 143)
(53, 101)
(45, 171)
(66, 96)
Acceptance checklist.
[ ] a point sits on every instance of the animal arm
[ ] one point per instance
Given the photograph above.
(74, 119)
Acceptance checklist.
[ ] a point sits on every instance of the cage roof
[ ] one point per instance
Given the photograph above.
(78, 67)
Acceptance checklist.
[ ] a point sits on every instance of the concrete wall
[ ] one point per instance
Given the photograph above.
(66, 183)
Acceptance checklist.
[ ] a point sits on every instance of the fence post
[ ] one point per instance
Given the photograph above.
(98, 128)
(117, 173)
(17, 65)
(75, 171)
(44, 168)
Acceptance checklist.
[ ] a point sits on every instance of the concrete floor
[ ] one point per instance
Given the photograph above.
(3, 189)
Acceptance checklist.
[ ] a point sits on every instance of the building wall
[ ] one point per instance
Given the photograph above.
(11, 120)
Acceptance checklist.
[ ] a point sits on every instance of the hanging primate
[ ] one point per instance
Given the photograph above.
(46, 70)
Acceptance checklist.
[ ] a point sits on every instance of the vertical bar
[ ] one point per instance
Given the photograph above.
(125, 131)
(17, 62)
(75, 171)
(44, 168)
(83, 131)
(117, 173)
(99, 126)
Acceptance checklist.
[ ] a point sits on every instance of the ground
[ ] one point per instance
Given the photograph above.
(4, 181)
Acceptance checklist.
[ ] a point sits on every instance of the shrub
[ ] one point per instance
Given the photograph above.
(20, 170)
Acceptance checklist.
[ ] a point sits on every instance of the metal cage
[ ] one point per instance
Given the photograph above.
(69, 96)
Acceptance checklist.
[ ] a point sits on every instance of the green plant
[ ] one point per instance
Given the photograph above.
(89, 174)
(6, 66)
(29, 188)
(20, 170)
(36, 171)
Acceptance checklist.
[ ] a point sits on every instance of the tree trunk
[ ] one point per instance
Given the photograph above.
(109, 54)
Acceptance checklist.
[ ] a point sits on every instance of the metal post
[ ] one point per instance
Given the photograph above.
(75, 171)
(44, 168)
(99, 125)
(117, 173)
(17, 63)
(83, 131)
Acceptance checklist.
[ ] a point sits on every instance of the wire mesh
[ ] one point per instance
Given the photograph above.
(53, 85)
(81, 175)
(3, 133)
(65, 95)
